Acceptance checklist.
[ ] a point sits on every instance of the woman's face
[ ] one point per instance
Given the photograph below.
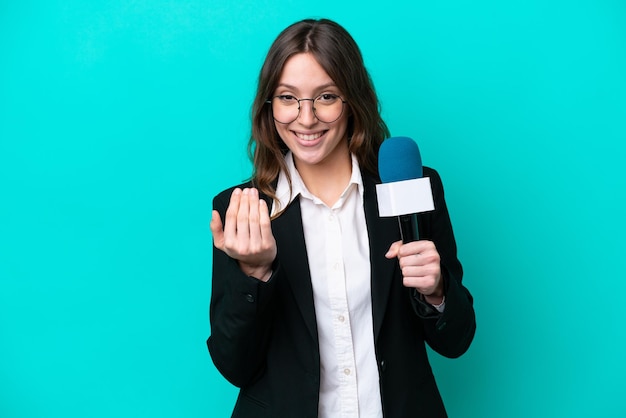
(312, 142)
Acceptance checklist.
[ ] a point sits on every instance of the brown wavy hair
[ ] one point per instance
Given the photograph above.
(339, 55)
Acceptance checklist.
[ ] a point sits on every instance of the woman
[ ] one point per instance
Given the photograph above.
(317, 307)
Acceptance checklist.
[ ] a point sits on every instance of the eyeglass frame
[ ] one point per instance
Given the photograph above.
(312, 100)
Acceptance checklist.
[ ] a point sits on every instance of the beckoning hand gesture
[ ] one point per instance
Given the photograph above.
(246, 233)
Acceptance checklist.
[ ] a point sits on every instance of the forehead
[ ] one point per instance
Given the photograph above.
(302, 71)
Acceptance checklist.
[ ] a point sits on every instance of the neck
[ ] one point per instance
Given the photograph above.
(328, 181)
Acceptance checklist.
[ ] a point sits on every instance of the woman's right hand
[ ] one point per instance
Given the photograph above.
(246, 233)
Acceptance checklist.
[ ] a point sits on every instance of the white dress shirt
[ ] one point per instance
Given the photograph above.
(338, 253)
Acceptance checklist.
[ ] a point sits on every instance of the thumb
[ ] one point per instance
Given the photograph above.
(393, 249)
(217, 229)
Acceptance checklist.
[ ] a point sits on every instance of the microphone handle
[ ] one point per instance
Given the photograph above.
(408, 228)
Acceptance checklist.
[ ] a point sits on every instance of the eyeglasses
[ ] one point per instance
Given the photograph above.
(327, 107)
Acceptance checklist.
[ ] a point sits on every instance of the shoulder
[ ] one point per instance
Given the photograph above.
(370, 180)
(430, 172)
(227, 192)
(222, 198)
(435, 178)
(427, 172)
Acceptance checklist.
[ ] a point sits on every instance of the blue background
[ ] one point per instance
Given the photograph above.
(119, 120)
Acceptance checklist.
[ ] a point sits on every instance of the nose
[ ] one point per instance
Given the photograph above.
(307, 114)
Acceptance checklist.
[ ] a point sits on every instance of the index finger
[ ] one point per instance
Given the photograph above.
(415, 247)
(264, 221)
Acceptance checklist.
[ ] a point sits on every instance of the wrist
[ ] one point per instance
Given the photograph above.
(262, 273)
(435, 299)
(437, 296)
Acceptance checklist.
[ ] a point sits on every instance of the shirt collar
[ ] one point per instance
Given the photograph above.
(284, 196)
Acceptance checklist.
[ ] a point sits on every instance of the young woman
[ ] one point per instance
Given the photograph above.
(317, 308)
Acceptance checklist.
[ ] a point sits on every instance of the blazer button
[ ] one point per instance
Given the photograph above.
(249, 297)
(383, 365)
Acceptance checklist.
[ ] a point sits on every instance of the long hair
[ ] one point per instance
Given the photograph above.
(338, 54)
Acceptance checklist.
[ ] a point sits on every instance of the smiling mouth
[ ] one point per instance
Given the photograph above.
(309, 137)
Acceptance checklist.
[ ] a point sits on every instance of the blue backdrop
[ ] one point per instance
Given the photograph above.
(120, 119)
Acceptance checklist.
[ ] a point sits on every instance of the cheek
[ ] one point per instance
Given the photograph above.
(283, 134)
(345, 127)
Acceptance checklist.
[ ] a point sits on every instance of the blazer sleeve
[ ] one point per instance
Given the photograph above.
(449, 333)
(240, 315)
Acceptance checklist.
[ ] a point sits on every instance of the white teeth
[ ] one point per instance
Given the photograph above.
(310, 137)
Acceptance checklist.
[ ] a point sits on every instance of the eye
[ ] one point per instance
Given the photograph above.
(287, 99)
(327, 98)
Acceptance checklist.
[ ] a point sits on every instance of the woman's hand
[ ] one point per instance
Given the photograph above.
(246, 235)
(421, 268)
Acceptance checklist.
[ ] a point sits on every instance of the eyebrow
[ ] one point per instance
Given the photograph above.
(322, 87)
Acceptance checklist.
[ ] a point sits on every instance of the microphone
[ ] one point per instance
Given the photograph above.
(404, 192)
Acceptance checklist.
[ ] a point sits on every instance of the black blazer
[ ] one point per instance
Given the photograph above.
(264, 335)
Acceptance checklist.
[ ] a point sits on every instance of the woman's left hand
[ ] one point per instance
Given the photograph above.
(421, 267)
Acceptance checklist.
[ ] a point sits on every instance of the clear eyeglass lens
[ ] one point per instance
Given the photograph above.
(326, 107)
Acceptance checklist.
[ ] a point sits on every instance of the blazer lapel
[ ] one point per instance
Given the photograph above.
(289, 235)
(382, 233)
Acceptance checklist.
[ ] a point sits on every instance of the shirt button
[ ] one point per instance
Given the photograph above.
(341, 318)
(346, 372)
(250, 298)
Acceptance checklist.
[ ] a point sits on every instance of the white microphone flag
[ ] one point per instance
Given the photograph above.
(405, 197)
